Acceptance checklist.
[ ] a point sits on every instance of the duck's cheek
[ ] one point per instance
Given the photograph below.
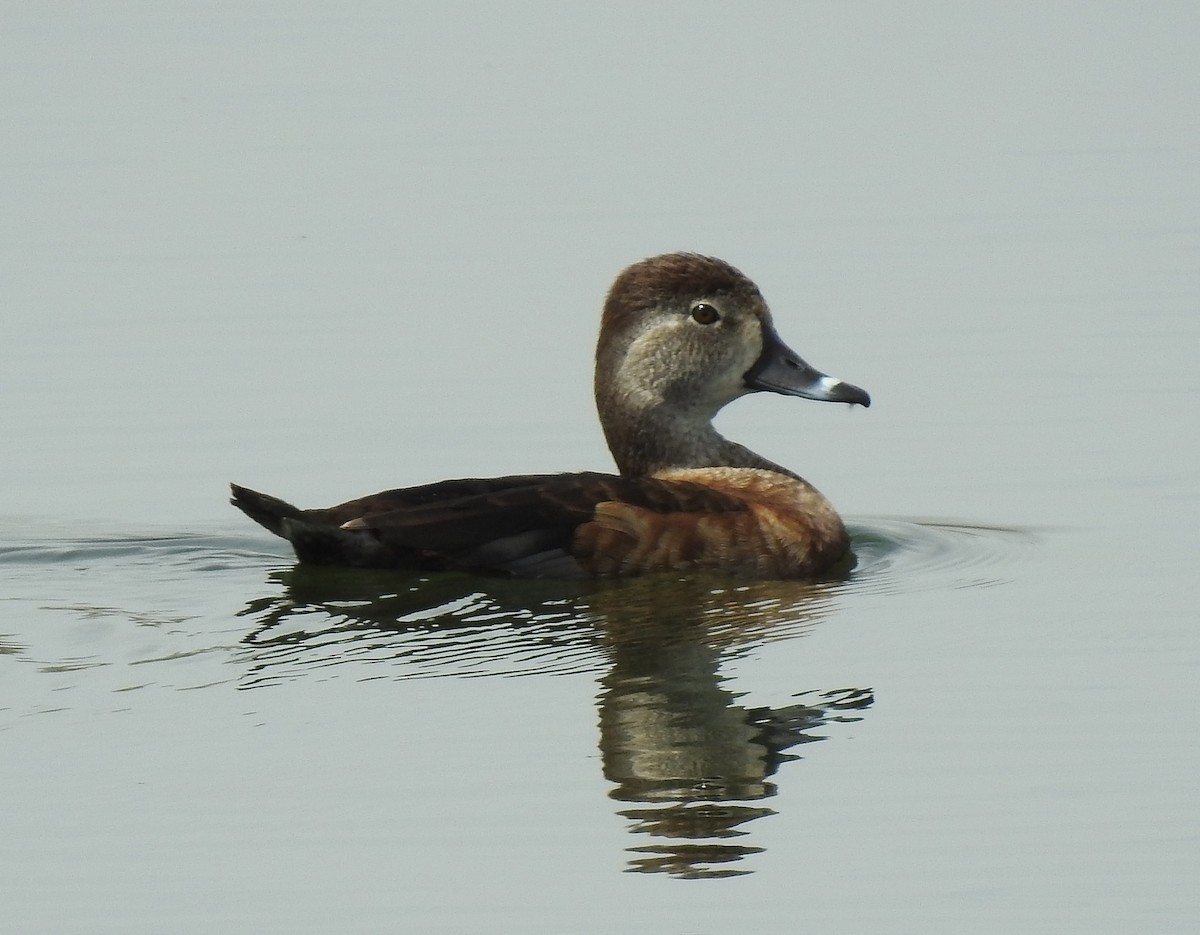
(723, 389)
(647, 361)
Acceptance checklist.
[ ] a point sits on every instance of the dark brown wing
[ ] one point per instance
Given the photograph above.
(270, 512)
(523, 525)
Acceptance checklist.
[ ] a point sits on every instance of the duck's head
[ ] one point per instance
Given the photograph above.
(687, 334)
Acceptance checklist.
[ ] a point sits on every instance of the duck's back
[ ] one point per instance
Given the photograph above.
(737, 521)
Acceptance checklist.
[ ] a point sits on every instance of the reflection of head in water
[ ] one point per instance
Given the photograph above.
(671, 735)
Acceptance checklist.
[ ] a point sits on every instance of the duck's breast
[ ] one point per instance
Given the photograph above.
(775, 527)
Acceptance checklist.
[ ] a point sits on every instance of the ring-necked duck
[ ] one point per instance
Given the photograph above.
(681, 336)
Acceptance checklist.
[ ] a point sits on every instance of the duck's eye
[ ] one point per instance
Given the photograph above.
(705, 314)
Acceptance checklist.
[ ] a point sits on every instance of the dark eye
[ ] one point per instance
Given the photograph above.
(705, 314)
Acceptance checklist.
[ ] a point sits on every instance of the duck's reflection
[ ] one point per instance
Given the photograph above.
(692, 763)
(673, 738)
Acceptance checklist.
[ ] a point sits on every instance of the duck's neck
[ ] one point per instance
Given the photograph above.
(648, 440)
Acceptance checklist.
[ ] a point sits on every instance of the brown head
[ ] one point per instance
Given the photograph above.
(681, 336)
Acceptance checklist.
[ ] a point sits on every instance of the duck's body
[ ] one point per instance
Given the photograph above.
(681, 336)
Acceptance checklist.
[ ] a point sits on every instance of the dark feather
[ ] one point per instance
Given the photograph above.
(521, 525)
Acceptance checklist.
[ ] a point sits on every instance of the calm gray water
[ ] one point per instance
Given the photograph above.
(328, 252)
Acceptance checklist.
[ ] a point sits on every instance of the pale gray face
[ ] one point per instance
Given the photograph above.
(693, 356)
(698, 355)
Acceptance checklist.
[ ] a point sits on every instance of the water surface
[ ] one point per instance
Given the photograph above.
(325, 253)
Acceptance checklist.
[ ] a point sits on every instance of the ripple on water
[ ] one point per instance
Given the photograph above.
(185, 551)
(896, 555)
(108, 622)
(141, 603)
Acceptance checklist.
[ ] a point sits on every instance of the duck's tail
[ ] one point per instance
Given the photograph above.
(269, 512)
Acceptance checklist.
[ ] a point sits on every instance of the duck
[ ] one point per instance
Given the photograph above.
(681, 336)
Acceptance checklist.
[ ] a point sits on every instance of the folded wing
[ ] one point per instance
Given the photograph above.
(558, 525)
